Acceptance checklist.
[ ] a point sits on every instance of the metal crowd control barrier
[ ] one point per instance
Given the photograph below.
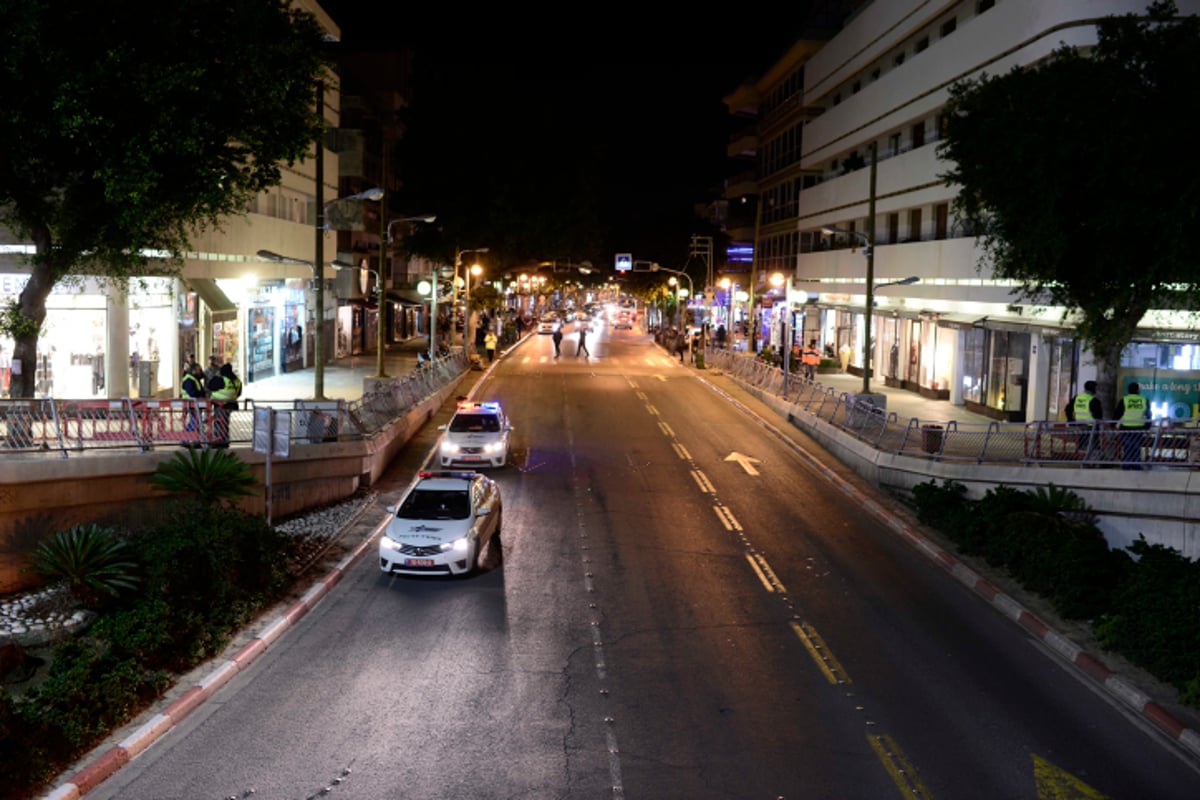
(64, 427)
(1164, 444)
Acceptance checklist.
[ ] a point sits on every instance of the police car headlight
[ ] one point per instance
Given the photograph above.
(460, 545)
(450, 447)
(389, 544)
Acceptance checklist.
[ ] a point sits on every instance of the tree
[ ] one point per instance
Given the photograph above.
(129, 126)
(1077, 173)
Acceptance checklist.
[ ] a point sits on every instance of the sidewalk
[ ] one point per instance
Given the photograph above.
(343, 377)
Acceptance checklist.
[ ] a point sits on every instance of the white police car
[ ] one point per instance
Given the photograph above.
(476, 436)
(442, 526)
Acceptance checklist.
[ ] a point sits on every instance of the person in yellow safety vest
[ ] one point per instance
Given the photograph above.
(811, 358)
(1133, 417)
(1085, 409)
(193, 389)
(225, 390)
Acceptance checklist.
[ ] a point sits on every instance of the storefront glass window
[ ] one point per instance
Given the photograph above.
(974, 341)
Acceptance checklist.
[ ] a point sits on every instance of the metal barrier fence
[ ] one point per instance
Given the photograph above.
(1164, 444)
(73, 426)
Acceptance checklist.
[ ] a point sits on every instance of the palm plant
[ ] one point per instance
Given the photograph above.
(210, 476)
(92, 561)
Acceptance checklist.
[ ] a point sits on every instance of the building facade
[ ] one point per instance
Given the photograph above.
(103, 341)
(846, 134)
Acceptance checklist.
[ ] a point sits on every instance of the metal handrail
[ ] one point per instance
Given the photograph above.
(1163, 444)
(64, 427)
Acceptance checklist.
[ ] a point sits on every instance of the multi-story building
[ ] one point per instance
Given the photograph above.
(258, 314)
(847, 132)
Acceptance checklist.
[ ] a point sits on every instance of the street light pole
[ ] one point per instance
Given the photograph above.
(468, 333)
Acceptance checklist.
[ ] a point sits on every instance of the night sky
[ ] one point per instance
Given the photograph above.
(619, 121)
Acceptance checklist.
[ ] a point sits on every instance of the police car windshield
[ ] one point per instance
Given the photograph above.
(475, 423)
(435, 504)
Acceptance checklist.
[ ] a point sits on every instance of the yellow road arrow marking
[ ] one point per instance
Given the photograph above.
(1055, 783)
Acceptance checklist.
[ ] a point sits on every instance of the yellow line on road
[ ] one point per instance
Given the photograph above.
(681, 451)
(821, 653)
(702, 481)
(898, 767)
(727, 519)
(666, 429)
(765, 573)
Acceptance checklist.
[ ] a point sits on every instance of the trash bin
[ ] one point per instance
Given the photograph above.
(931, 438)
(147, 378)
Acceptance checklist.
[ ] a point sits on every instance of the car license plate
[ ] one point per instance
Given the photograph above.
(472, 458)
(418, 562)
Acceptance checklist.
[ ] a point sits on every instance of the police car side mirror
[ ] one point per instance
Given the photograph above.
(442, 427)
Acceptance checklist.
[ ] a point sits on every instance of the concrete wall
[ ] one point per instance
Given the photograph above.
(40, 495)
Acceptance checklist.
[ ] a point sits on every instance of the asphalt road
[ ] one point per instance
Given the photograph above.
(684, 607)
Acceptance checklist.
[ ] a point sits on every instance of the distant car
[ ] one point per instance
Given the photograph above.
(477, 436)
(549, 324)
(442, 526)
(624, 320)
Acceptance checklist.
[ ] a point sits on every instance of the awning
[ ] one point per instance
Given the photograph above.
(1010, 325)
(959, 322)
(406, 297)
(217, 301)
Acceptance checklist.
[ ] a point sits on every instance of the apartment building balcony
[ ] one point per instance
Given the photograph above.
(743, 144)
(740, 185)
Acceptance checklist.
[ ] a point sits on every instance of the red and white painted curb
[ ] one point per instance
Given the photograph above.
(127, 749)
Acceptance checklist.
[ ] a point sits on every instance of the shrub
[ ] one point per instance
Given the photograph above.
(209, 476)
(94, 562)
(1155, 615)
(943, 507)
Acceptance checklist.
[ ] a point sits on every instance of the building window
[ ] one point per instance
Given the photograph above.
(837, 98)
(898, 60)
(875, 74)
(894, 144)
(857, 87)
(984, 5)
(914, 225)
(949, 26)
(893, 228)
(918, 134)
(941, 220)
(922, 44)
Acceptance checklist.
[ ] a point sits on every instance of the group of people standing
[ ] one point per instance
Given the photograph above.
(219, 383)
(1132, 420)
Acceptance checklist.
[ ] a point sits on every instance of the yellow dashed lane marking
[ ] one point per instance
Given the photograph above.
(820, 653)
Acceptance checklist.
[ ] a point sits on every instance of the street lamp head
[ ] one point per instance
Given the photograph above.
(370, 194)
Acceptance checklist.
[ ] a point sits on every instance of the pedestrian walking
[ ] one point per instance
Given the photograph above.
(681, 345)
(582, 346)
(1133, 418)
(811, 357)
(557, 337)
(489, 345)
(1085, 411)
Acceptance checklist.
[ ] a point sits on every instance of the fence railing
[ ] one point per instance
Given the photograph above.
(64, 427)
(1164, 444)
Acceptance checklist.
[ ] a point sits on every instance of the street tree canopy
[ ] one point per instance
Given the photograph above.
(1079, 175)
(130, 126)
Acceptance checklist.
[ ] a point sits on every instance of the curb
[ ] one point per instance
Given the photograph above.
(1120, 690)
(95, 773)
